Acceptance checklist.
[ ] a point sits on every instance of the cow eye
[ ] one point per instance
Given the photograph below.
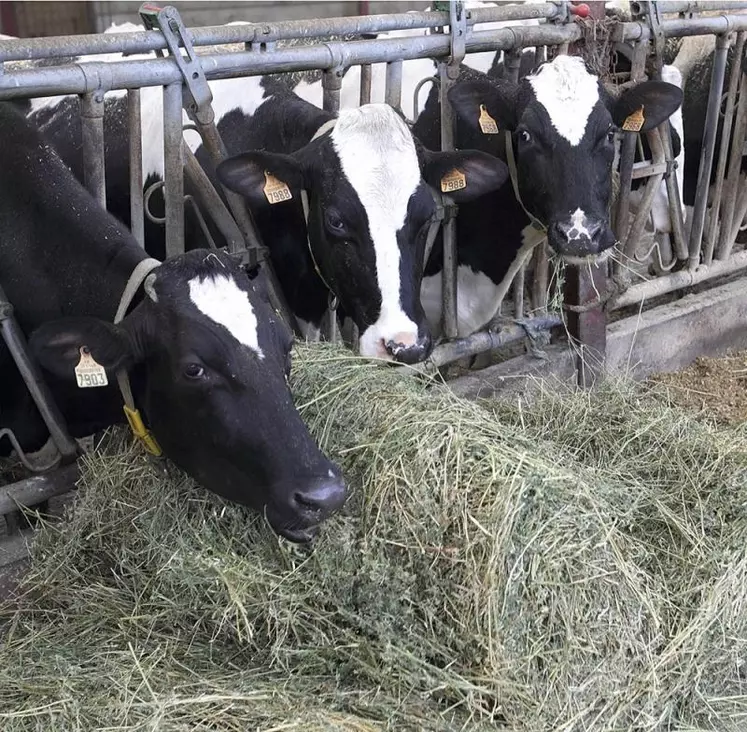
(334, 222)
(524, 136)
(194, 371)
(611, 134)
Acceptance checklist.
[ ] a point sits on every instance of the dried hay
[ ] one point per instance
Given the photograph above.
(577, 563)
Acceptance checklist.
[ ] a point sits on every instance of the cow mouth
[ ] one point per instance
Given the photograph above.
(298, 536)
(596, 258)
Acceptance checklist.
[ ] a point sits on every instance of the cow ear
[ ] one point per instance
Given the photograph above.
(56, 345)
(498, 97)
(260, 175)
(465, 174)
(653, 101)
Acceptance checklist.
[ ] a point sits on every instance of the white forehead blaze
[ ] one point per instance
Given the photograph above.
(378, 157)
(568, 92)
(219, 298)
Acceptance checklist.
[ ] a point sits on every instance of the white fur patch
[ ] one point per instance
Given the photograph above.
(578, 222)
(568, 92)
(224, 302)
(377, 155)
(477, 294)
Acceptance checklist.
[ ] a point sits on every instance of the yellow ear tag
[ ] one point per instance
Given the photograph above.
(487, 124)
(275, 190)
(88, 372)
(634, 122)
(454, 180)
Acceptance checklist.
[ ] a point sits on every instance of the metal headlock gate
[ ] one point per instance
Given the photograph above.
(183, 73)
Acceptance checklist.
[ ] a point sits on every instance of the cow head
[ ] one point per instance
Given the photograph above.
(212, 361)
(369, 210)
(564, 125)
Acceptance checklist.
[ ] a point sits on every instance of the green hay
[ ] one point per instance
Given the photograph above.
(577, 563)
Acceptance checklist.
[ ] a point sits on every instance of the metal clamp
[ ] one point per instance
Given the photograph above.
(196, 91)
(457, 36)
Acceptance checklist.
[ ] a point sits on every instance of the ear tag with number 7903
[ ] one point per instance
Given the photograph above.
(88, 372)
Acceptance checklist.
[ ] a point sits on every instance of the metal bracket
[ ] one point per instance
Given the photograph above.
(196, 91)
(649, 9)
(457, 36)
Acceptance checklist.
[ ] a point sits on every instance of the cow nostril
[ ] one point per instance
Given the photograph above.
(324, 497)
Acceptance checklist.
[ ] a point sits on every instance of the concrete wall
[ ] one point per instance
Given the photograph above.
(200, 12)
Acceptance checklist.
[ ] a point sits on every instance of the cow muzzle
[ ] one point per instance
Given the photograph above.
(403, 348)
(580, 237)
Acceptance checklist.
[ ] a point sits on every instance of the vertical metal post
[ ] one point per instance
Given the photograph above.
(173, 169)
(541, 278)
(726, 240)
(627, 157)
(134, 126)
(365, 96)
(16, 343)
(736, 70)
(331, 85)
(588, 329)
(706, 153)
(92, 129)
(448, 72)
(512, 64)
(393, 94)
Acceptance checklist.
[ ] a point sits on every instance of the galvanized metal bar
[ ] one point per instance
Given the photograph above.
(658, 286)
(448, 72)
(627, 158)
(518, 293)
(672, 7)
(173, 169)
(38, 488)
(209, 198)
(726, 240)
(740, 210)
(726, 127)
(365, 95)
(92, 133)
(331, 85)
(484, 341)
(511, 65)
(259, 33)
(706, 154)
(32, 377)
(652, 186)
(82, 78)
(680, 28)
(393, 89)
(541, 281)
(134, 125)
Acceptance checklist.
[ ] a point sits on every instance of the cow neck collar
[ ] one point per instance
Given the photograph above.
(141, 432)
(333, 300)
(512, 171)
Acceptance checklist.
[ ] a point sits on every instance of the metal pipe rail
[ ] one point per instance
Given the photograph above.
(102, 76)
(146, 41)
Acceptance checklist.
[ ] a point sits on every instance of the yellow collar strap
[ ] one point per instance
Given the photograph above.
(141, 432)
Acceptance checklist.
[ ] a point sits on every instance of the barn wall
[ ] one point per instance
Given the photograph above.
(199, 12)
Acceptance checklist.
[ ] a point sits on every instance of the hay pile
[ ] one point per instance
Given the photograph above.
(576, 564)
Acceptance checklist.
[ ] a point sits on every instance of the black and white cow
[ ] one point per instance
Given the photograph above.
(367, 181)
(207, 357)
(563, 125)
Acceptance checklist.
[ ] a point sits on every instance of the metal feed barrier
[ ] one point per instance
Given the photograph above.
(183, 73)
